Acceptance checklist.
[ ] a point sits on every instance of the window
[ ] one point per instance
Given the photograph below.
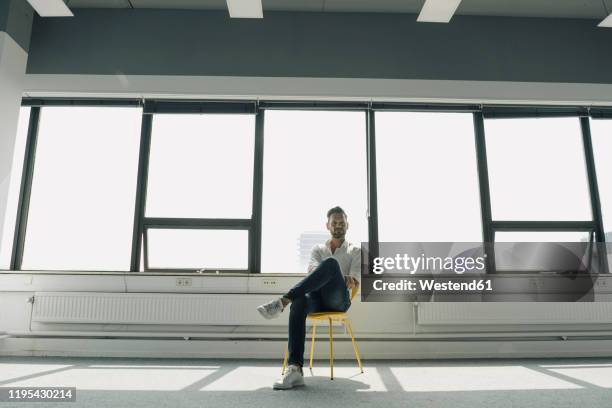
(196, 249)
(200, 184)
(601, 134)
(542, 251)
(537, 170)
(313, 161)
(427, 177)
(542, 236)
(10, 215)
(201, 166)
(83, 190)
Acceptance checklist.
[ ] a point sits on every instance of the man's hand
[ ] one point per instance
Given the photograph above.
(351, 282)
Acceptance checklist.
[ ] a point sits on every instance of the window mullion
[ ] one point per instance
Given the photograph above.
(25, 191)
(141, 192)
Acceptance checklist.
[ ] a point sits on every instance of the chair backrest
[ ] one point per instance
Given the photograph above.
(354, 292)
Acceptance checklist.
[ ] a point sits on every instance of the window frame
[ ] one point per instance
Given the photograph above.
(193, 224)
(27, 177)
(258, 108)
(365, 108)
(491, 226)
(140, 239)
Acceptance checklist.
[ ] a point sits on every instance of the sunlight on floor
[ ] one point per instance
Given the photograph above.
(232, 375)
(10, 371)
(113, 378)
(234, 383)
(474, 378)
(573, 365)
(599, 376)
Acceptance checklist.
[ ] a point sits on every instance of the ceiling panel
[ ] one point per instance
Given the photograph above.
(534, 8)
(378, 6)
(513, 8)
(294, 5)
(181, 4)
(98, 3)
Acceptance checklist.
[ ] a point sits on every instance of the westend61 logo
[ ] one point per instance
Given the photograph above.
(477, 272)
(422, 263)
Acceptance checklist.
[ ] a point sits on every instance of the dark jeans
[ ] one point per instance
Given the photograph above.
(323, 289)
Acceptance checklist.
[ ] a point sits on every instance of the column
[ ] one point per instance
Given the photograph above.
(15, 29)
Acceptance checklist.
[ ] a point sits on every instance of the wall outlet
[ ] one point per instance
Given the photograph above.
(182, 282)
(270, 283)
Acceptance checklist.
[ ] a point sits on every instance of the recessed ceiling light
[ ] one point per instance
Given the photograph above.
(606, 22)
(245, 8)
(438, 11)
(51, 8)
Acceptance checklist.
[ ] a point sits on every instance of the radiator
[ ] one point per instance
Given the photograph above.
(239, 309)
(150, 308)
(514, 313)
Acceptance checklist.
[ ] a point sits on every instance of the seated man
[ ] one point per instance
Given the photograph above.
(334, 269)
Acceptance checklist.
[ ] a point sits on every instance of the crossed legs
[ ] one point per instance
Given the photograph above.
(324, 289)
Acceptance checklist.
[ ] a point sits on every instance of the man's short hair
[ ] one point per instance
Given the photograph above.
(336, 210)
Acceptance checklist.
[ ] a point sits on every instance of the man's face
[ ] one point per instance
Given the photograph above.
(337, 225)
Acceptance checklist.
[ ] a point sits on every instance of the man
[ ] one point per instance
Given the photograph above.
(334, 269)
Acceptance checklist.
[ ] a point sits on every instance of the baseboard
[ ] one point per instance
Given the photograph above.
(273, 348)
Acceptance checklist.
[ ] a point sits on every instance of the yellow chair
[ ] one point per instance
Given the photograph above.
(331, 317)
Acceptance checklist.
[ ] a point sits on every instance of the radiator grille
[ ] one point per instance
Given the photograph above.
(149, 308)
(514, 313)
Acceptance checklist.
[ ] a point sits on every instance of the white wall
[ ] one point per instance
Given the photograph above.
(392, 329)
(13, 61)
(386, 330)
(362, 89)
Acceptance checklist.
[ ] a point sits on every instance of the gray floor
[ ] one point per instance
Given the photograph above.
(123, 382)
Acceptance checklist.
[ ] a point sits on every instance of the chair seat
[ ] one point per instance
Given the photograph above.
(327, 315)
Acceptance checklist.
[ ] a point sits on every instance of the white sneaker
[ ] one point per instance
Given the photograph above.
(271, 309)
(293, 377)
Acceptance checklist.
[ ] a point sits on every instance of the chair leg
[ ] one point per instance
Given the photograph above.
(314, 333)
(331, 351)
(347, 323)
(285, 359)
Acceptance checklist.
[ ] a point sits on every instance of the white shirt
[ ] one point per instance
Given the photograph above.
(347, 255)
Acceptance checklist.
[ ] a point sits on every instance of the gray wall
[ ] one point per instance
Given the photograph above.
(16, 20)
(358, 45)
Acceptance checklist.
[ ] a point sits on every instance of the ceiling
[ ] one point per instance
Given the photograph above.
(593, 9)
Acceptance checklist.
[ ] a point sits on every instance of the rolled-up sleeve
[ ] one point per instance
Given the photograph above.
(315, 258)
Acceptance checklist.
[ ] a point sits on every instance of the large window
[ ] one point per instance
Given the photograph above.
(201, 166)
(200, 169)
(202, 163)
(427, 177)
(6, 240)
(313, 160)
(539, 192)
(601, 133)
(83, 190)
(537, 170)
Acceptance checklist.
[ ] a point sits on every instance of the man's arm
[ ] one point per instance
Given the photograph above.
(355, 270)
(315, 258)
